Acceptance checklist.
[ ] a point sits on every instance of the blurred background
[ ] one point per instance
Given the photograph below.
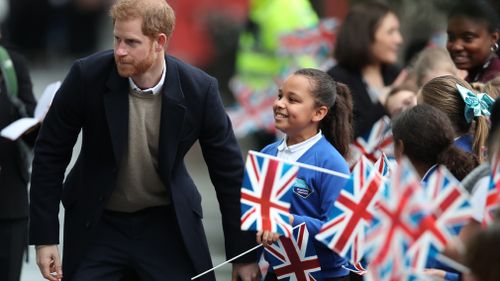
(52, 33)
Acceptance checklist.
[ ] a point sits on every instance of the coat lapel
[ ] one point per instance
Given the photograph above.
(116, 108)
(172, 119)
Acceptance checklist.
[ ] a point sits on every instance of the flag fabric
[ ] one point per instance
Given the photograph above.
(294, 258)
(449, 209)
(317, 40)
(399, 212)
(253, 111)
(351, 214)
(379, 140)
(382, 165)
(493, 196)
(265, 194)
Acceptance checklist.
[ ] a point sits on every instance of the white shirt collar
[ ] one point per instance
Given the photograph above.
(294, 152)
(154, 90)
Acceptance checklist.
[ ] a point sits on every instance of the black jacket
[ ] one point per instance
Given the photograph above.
(366, 113)
(13, 174)
(94, 98)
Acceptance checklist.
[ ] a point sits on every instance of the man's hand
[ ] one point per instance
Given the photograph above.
(246, 272)
(49, 262)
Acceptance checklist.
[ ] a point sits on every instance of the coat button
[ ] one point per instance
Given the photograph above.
(88, 224)
(101, 198)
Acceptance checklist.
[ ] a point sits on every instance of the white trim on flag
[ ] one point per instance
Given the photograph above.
(307, 166)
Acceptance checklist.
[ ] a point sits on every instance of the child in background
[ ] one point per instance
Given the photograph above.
(444, 94)
(425, 135)
(433, 62)
(400, 98)
(315, 113)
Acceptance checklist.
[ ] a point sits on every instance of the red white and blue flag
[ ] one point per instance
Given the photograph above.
(382, 165)
(351, 215)
(448, 210)
(399, 212)
(265, 194)
(378, 141)
(253, 111)
(493, 196)
(294, 258)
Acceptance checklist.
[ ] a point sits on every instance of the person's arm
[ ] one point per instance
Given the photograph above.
(53, 151)
(225, 164)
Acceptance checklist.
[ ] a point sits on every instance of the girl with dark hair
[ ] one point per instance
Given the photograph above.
(366, 51)
(425, 135)
(473, 39)
(315, 113)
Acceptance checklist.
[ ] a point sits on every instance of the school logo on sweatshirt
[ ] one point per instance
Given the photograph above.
(301, 189)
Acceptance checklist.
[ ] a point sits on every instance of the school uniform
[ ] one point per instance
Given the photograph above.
(314, 193)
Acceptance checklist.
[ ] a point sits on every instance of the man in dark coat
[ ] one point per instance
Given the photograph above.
(129, 201)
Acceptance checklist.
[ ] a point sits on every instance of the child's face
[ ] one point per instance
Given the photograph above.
(400, 101)
(469, 42)
(295, 113)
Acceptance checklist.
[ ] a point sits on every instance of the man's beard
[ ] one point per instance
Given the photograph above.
(131, 68)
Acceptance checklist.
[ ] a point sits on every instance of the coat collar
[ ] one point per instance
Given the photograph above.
(172, 114)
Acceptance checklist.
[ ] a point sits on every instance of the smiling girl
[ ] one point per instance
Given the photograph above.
(315, 113)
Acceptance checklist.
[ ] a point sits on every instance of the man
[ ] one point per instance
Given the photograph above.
(129, 201)
(14, 176)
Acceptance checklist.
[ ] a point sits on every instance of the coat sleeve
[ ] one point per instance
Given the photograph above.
(53, 151)
(225, 164)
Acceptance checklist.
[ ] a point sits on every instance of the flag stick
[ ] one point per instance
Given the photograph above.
(228, 261)
(303, 165)
(454, 264)
(232, 259)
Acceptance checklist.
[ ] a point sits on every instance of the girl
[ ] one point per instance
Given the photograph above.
(315, 113)
(366, 51)
(473, 34)
(443, 93)
(425, 135)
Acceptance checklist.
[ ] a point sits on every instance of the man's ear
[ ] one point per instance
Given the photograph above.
(161, 42)
(320, 113)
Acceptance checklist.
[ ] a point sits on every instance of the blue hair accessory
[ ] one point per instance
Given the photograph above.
(475, 105)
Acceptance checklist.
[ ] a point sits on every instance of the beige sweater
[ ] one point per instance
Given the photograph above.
(138, 184)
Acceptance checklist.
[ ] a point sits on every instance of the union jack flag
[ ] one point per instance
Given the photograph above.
(382, 165)
(265, 194)
(448, 210)
(294, 258)
(253, 111)
(351, 214)
(372, 145)
(493, 197)
(394, 224)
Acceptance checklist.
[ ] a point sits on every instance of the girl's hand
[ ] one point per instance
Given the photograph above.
(267, 238)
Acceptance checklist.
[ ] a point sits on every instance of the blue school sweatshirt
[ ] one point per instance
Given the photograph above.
(313, 193)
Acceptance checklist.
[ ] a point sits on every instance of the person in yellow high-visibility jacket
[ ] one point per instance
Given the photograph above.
(258, 62)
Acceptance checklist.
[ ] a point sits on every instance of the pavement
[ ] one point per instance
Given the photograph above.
(55, 69)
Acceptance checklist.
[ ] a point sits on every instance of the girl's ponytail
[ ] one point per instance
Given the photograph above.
(337, 125)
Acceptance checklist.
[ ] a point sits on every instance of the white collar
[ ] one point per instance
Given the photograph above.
(154, 90)
(298, 146)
